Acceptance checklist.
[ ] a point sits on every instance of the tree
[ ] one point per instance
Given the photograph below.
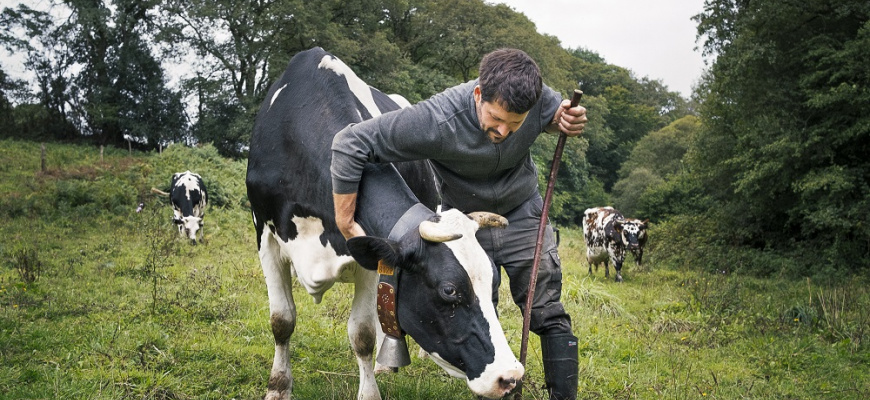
(94, 69)
(32, 32)
(787, 128)
(634, 109)
(233, 42)
(656, 159)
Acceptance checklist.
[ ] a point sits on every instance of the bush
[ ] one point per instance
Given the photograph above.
(91, 197)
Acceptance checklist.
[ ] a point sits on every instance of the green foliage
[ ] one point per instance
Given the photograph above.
(95, 70)
(662, 151)
(629, 191)
(91, 197)
(653, 176)
(680, 195)
(75, 183)
(781, 153)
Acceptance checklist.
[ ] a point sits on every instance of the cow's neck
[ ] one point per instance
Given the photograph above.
(383, 199)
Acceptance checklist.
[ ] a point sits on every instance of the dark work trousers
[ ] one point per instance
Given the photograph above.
(513, 249)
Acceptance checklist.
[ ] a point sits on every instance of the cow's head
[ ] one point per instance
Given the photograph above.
(444, 298)
(188, 226)
(632, 231)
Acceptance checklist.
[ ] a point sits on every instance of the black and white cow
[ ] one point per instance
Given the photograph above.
(189, 199)
(608, 234)
(444, 278)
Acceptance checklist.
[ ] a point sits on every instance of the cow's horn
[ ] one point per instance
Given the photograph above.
(432, 232)
(488, 219)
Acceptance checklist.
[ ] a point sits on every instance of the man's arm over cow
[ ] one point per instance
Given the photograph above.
(386, 138)
(413, 133)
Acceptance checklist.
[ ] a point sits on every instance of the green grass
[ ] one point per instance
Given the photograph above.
(115, 307)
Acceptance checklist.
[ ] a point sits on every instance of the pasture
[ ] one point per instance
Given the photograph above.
(98, 301)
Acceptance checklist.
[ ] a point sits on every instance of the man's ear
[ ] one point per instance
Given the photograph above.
(368, 250)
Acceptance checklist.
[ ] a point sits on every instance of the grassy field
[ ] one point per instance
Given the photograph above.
(98, 301)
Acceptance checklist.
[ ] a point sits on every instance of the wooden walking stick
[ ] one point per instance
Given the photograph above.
(542, 227)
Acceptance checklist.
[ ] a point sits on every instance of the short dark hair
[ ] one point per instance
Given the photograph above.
(510, 78)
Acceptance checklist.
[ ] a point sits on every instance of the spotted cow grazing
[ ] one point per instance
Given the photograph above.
(608, 234)
(189, 199)
(441, 282)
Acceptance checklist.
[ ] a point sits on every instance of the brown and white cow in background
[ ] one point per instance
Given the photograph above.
(608, 235)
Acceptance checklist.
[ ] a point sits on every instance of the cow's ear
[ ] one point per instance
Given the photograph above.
(368, 250)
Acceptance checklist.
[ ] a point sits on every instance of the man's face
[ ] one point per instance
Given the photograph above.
(496, 122)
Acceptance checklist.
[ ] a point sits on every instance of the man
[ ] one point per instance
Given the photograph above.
(477, 137)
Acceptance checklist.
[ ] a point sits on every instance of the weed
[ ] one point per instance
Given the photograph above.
(202, 295)
(594, 296)
(843, 314)
(160, 245)
(25, 260)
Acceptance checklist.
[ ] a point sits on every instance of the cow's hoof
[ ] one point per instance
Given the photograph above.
(619, 278)
(275, 395)
(383, 369)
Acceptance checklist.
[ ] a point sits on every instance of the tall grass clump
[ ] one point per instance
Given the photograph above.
(25, 260)
(841, 314)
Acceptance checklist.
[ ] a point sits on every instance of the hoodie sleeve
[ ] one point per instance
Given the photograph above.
(403, 135)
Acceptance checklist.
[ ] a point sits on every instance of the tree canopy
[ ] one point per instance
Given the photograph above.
(786, 127)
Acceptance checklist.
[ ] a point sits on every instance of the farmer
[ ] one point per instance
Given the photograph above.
(477, 136)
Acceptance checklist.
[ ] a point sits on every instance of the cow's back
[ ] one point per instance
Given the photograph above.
(598, 226)
(288, 163)
(187, 194)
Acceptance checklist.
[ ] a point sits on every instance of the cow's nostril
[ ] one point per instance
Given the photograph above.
(507, 383)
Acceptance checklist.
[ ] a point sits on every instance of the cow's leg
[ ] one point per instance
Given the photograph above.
(282, 311)
(606, 268)
(617, 265)
(617, 255)
(589, 261)
(638, 256)
(362, 330)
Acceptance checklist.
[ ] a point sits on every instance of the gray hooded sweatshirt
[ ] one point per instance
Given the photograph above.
(475, 174)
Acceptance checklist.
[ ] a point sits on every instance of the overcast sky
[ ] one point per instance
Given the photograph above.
(654, 39)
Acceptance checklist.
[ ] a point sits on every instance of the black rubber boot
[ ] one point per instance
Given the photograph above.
(559, 353)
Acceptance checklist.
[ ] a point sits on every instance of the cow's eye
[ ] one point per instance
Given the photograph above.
(449, 292)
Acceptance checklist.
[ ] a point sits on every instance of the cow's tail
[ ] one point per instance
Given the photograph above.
(159, 192)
